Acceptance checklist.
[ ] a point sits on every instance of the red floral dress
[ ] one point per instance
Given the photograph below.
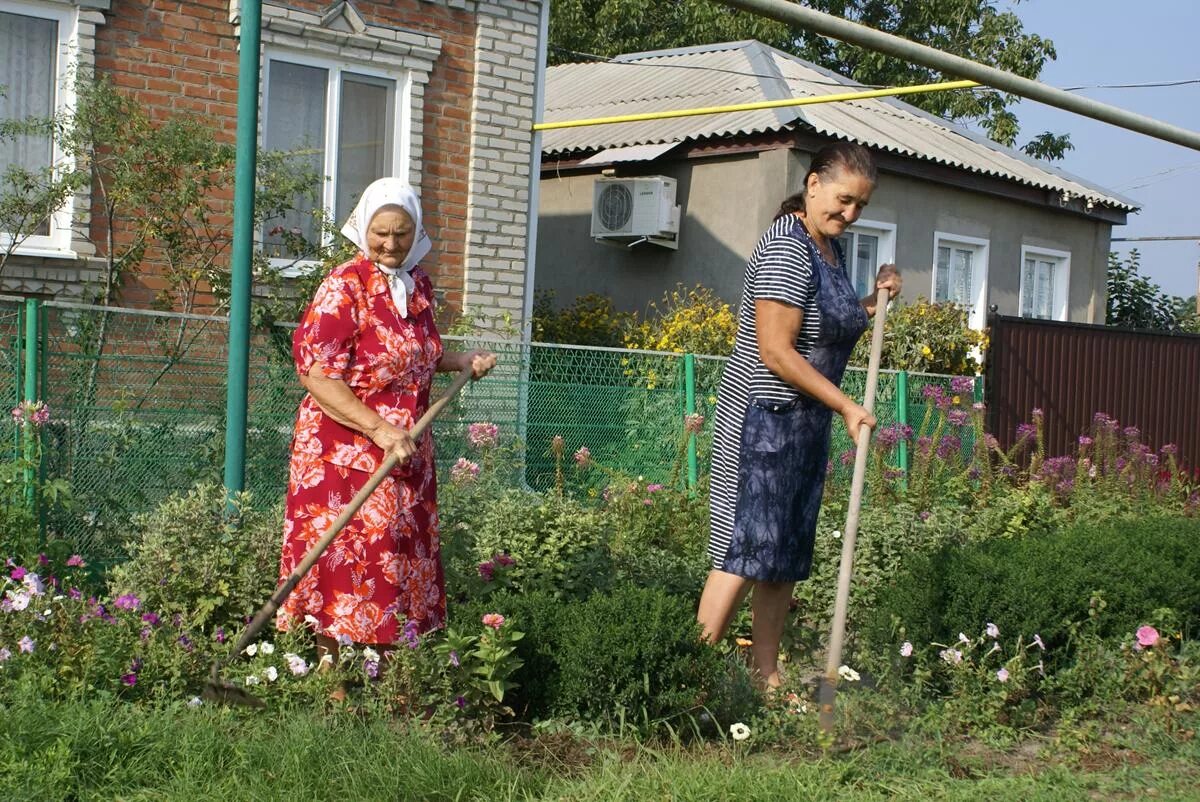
(385, 567)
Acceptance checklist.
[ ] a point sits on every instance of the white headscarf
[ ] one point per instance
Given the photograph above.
(391, 192)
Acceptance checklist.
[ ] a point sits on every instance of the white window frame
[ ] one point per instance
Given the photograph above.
(979, 278)
(1062, 283)
(886, 253)
(56, 244)
(401, 132)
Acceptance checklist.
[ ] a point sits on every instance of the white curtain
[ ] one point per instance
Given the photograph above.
(28, 71)
(295, 124)
(364, 147)
(1037, 282)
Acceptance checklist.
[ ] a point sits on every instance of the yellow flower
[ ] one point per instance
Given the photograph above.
(925, 350)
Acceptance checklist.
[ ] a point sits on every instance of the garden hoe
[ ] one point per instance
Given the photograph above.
(828, 689)
(225, 693)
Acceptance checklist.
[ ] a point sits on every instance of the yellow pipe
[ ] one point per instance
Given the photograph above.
(762, 104)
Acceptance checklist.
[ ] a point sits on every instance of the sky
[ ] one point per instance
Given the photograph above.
(1106, 42)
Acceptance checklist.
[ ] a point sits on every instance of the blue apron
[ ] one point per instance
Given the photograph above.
(784, 448)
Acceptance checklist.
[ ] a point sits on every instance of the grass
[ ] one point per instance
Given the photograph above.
(100, 750)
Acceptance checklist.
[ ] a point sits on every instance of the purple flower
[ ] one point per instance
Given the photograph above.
(961, 385)
(1133, 432)
(151, 619)
(127, 602)
(924, 445)
(185, 642)
(958, 417)
(848, 457)
(486, 570)
(892, 434)
(5, 655)
(1170, 449)
(144, 634)
(924, 515)
(1025, 431)
(412, 634)
(653, 488)
(17, 573)
(990, 441)
(461, 702)
(1037, 413)
(949, 446)
(26, 644)
(219, 637)
(931, 391)
(129, 679)
(372, 668)
(1085, 441)
(43, 559)
(454, 658)
(504, 560)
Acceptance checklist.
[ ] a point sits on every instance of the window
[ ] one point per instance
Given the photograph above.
(346, 125)
(1044, 280)
(35, 44)
(960, 273)
(867, 245)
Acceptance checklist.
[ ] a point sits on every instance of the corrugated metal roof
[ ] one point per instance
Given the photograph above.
(748, 72)
(630, 153)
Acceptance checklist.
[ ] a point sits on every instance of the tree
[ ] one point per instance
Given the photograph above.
(1136, 302)
(973, 29)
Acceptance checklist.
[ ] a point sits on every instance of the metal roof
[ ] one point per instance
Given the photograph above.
(748, 72)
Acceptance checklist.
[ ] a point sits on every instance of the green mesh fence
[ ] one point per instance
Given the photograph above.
(10, 367)
(138, 405)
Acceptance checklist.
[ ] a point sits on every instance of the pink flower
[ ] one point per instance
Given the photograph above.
(1002, 675)
(653, 488)
(463, 471)
(26, 644)
(483, 435)
(486, 571)
(693, 423)
(18, 573)
(493, 620)
(906, 649)
(583, 457)
(129, 679)
(127, 602)
(1147, 636)
(504, 560)
(75, 561)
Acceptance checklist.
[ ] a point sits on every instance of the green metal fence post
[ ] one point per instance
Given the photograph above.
(902, 421)
(689, 389)
(978, 389)
(29, 394)
(243, 246)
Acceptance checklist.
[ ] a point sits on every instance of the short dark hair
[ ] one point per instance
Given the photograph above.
(848, 156)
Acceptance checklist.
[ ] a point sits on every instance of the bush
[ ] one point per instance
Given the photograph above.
(590, 320)
(194, 559)
(928, 338)
(693, 321)
(1041, 582)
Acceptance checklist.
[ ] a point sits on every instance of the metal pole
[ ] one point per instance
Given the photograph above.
(861, 35)
(902, 421)
(29, 394)
(689, 403)
(243, 245)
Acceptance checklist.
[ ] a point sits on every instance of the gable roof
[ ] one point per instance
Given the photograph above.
(748, 72)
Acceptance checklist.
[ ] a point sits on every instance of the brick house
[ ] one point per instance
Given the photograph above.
(440, 91)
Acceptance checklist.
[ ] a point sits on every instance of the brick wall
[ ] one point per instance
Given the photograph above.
(473, 67)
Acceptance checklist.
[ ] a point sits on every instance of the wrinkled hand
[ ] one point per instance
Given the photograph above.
(856, 417)
(393, 440)
(889, 278)
(481, 363)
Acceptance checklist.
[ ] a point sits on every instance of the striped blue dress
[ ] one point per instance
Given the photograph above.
(785, 266)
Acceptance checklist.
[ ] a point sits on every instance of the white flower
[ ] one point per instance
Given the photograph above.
(739, 731)
(993, 631)
(906, 649)
(1002, 675)
(271, 673)
(837, 533)
(370, 654)
(962, 638)
(252, 649)
(267, 647)
(312, 619)
(951, 656)
(19, 599)
(34, 584)
(251, 680)
(47, 613)
(195, 701)
(995, 647)
(326, 659)
(848, 674)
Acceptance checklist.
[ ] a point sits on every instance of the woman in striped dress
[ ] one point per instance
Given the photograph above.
(798, 322)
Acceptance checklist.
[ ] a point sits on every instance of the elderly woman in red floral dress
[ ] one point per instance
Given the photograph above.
(366, 351)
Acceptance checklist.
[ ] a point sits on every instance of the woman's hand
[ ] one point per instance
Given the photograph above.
(481, 363)
(889, 278)
(855, 417)
(393, 440)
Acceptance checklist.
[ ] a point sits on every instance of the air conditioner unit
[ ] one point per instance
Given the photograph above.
(636, 210)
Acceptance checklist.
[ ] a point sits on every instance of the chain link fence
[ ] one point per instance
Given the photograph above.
(138, 410)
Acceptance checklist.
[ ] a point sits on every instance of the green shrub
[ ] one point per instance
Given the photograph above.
(926, 337)
(634, 654)
(1041, 582)
(558, 544)
(590, 320)
(189, 557)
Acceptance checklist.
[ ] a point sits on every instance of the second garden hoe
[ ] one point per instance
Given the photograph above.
(828, 689)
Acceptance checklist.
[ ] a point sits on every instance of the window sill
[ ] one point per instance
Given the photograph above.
(46, 253)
